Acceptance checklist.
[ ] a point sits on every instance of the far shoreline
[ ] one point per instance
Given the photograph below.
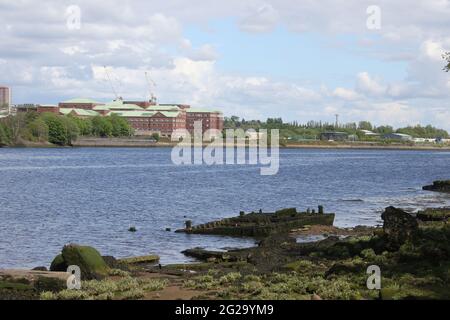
(142, 143)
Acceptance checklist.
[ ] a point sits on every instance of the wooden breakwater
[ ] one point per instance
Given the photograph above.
(261, 224)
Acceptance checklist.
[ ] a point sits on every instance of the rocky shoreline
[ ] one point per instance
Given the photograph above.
(411, 250)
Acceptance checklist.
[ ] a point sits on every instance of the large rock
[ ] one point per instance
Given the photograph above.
(439, 186)
(58, 264)
(399, 226)
(89, 260)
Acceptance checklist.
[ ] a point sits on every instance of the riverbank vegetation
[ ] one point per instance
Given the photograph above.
(57, 129)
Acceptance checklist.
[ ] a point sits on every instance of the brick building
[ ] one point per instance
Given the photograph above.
(209, 119)
(47, 108)
(5, 96)
(80, 103)
(145, 117)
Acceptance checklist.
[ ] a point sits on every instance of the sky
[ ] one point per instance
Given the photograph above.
(375, 60)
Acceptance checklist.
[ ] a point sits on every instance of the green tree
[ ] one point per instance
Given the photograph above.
(4, 136)
(120, 126)
(84, 126)
(424, 132)
(384, 129)
(72, 130)
(365, 125)
(16, 126)
(57, 131)
(101, 127)
(39, 129)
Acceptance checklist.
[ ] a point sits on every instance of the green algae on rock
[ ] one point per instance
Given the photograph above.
(88, 259)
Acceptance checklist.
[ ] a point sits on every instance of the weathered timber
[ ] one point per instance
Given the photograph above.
(262, 224)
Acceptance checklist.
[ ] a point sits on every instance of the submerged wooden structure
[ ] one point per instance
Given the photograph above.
(261, 224)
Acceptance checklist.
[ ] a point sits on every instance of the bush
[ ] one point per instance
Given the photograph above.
(101, 127)
(155, 136)
(230, 278)
(119, 273)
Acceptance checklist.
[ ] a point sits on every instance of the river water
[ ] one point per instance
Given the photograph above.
(50, 197)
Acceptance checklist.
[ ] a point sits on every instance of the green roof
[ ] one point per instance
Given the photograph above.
(132, 114)
(163, 108)
(197, 110)
(119, 105)
(100, 108)
(80, 112)
(145, 113)
(82, 100)
(169, 114)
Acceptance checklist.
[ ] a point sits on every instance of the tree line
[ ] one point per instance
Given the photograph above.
(59, 130)
(313, 129)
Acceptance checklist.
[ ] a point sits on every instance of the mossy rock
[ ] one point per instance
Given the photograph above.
(89, 260)
(58, 264)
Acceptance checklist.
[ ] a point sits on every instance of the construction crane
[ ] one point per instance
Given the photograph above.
(111, 83)
(150, 82)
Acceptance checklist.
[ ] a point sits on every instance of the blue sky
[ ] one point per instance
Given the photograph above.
(307, 57)
(299, 60)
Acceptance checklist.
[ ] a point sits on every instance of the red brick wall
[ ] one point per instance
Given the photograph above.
(159, 123)
(47, 109)
(210, 120)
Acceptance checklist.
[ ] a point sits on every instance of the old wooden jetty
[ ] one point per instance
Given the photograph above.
(259, 224)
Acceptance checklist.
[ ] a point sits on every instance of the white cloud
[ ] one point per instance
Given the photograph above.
(433, 50)
(261, 19)
(346, 94)
(370, 85)
(38, 55)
